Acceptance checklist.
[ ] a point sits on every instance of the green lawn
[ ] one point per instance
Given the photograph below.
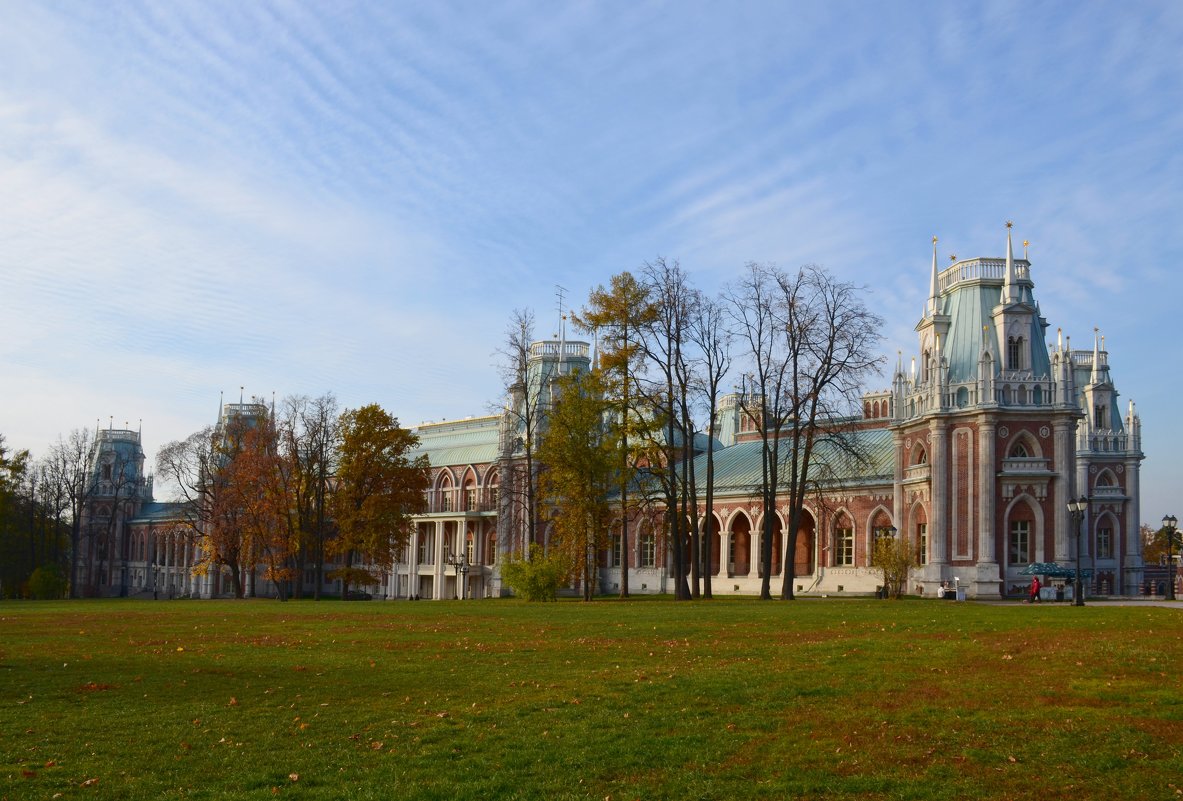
(647, 699)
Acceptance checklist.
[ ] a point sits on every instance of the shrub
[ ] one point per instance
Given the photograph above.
(893, 557)
(47, 583)
(537, 577)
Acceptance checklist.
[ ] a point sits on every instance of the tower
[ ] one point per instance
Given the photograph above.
(986, 437)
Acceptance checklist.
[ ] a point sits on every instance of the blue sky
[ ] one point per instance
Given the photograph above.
(353, 197)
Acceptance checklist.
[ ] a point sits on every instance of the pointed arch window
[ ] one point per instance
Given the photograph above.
(844, 544)
(1014, 353)
(1099, 416)
(648, 550)
(1019, 451)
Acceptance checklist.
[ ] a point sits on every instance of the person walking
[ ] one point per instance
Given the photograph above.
(1034, 590)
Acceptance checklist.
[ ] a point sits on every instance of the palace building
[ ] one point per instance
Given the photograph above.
(972, 455)
(973, 458)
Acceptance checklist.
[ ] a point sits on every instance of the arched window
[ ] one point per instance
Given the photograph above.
(1014, 353)
(648, 549)
(1099, 416)
(919, 455)
(843, 541)
(1019, 451)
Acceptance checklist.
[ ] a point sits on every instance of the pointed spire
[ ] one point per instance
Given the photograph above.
(1059, 339)
(932, 282)
(1010, 286)
(1095, 378)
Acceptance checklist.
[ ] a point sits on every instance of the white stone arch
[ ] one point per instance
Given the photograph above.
(1028, 441)
(490, 476)
(835, 516)
(778, 554)
(1106, 518)
(1036, 535)
(644, 527)
(911, 522)
(729, 530)
(1105, 478)
(869, 526)
(918, 454)
(445, 478)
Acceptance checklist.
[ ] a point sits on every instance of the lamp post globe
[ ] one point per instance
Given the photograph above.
(1077, 509)
(1170, 525)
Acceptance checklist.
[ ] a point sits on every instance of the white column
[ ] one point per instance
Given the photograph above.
(1065, 472)
(938, 529)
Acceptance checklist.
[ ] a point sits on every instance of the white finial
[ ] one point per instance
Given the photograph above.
(1059, 339)
(1096, 376)
(932, 282)
(913, 370)
(1009, 287)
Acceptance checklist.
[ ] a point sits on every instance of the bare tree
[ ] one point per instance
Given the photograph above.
(833, 340)
(709, 332)
(757, 304)
(522, 420)
(309, 434)
(66, 465)
(667, 337)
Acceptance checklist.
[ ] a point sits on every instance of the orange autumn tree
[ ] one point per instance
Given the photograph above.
(379, 487)
(257, 493)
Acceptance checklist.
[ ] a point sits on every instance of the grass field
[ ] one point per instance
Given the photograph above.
(646, 699)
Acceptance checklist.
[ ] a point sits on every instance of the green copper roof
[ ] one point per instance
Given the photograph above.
(970, 305)
(460, 442)
(869, 460)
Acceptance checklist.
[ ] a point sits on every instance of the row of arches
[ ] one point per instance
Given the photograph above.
(465, 490)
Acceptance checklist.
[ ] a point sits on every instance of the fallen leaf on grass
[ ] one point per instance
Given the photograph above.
(89, 783)
(233, 701)
(294, 777)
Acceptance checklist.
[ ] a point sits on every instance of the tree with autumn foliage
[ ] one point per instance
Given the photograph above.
(379, 487)
(581, 458)
(255, 493)
(621, 314)
(227, 484)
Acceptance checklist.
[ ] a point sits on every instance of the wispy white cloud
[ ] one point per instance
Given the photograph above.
(301, 198)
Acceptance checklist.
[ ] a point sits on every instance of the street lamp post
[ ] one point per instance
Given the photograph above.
(461, 566)
(1077, 509)
(1170, 524)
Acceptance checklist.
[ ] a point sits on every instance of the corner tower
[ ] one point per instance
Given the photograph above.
(986, 436)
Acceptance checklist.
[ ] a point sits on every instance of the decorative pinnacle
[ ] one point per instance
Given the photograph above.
(934, 240)
(952, 257)
(1010, 224)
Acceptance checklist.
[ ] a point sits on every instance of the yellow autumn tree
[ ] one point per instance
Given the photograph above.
(580, 459)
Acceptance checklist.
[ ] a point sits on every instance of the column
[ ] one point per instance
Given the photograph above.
(1065, 473)
(938, 529)
(437, 583)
